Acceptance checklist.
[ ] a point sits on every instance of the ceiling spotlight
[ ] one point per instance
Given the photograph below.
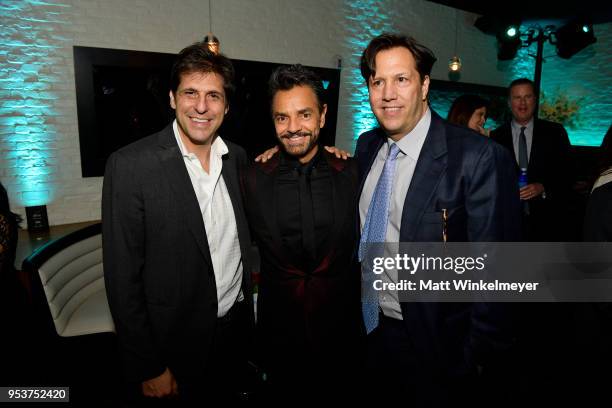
(511, 31)
(573, 37)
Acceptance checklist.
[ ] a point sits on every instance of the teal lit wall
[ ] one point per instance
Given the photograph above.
(585, 78)
(364, 19)
(28, 78)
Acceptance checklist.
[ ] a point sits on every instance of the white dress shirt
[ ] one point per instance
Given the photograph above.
(410, 148)
(219, 221)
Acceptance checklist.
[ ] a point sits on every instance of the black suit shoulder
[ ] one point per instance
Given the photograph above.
(237, 151)
(598, 217)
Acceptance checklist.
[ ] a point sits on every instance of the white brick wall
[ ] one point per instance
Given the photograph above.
(285, 31)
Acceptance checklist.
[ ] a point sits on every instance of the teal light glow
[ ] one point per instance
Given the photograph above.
(364, 19)
(30, 50)
(511, 32)
(585, 28)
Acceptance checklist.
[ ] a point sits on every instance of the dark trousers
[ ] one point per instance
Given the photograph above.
(397, 371)
(224, 377)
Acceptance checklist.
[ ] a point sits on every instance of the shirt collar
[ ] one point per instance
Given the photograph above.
(412, 142)
(218, 148)
(293, 163)
(517, 126)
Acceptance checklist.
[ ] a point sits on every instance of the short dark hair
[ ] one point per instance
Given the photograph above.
(198, 58)
(463, 107)
(287, 77)
(423, 56)
(521, 81)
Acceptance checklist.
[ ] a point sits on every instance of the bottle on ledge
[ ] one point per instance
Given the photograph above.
(522, 181)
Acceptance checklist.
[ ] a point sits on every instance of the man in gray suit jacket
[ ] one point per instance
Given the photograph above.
(176, 242)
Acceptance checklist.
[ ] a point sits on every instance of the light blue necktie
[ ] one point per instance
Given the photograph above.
(375, 231)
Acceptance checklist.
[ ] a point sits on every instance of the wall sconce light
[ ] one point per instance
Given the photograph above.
(211, 41)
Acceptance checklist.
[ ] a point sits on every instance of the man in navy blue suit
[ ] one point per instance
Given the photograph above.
(443, 175)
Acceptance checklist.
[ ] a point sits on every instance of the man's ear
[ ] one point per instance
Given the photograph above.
(323, 112)
(172, 101)
(425, 87)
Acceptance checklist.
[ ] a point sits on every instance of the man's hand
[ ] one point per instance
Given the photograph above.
(340, 154)
(159, 387)
(268, 154)
(531, 190)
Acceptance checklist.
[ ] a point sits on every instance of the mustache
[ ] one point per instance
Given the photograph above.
(303, 133)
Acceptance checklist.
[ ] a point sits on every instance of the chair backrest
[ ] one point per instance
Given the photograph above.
(72, 279)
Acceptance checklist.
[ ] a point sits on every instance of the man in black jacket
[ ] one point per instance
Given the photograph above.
(541, 149)
(176, 240)
(300, 206)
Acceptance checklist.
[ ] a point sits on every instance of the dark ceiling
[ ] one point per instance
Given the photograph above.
(592, 11)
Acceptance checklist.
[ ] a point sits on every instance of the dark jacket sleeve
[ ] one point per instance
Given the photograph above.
(123, 238)
(492, 197)
(493, 206)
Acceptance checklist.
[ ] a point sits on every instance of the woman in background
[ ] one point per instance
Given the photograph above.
(470, 111)
(9, 223)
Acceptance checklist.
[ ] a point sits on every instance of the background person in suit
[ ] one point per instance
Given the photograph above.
(470, 111)
(300, 208)
(429, 351)
(545, 155)
(175, 240)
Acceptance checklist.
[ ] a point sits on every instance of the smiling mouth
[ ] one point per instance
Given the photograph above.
(391, 108)
(296, 139)
(198, 120)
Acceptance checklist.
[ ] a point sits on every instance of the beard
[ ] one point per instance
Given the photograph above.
(298, 144)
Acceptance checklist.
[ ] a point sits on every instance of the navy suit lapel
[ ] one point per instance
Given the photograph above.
(430, 168)
(172, 161)
(365, 162)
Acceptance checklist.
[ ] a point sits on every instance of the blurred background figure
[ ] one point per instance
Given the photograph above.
(470, 111)
(12, 296)
(594, 320)
(598, 217)
(9, 223)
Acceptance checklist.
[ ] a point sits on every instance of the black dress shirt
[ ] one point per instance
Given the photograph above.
(305, 216)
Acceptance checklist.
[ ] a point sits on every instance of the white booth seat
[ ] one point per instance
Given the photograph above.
(72, 279)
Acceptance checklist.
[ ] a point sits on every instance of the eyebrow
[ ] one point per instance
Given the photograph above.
(406, 73)
(301, 111)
